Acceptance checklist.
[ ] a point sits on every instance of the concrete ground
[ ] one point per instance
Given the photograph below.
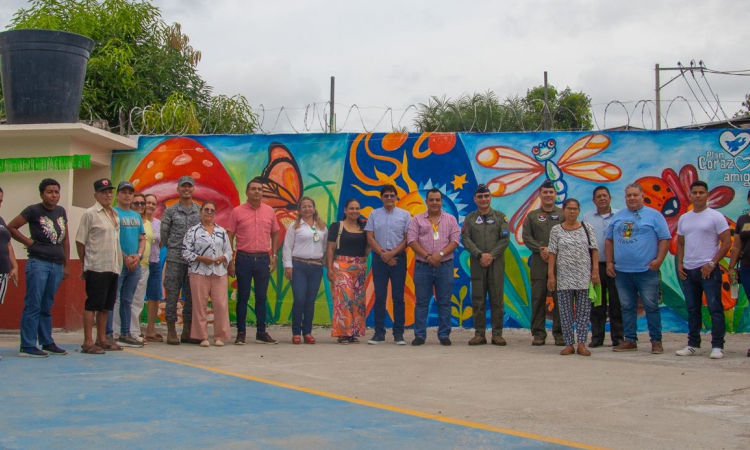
(432, 396)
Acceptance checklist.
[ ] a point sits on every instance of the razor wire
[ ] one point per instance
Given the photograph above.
(315, 118)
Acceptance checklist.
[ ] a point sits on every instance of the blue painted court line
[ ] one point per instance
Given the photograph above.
(126, 401)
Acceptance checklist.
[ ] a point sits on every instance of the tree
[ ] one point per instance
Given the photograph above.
(745, 108)
(137, 60)
(484, 112)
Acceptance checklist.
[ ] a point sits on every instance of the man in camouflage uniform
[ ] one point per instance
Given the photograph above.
(536, 231)
(485, 235)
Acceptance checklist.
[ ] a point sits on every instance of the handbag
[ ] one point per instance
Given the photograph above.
(338, 237)
(595, 290)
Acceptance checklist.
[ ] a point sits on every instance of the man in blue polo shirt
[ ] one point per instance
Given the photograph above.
(132, 244)
(636, 244)
(386, 230)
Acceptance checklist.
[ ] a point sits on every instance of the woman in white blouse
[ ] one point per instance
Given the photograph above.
(303, 256)
(206, 248)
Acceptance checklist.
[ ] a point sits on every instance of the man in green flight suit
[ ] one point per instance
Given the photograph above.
(485, 235)
(536, 231)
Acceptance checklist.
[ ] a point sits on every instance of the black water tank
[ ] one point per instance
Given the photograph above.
(43, 73)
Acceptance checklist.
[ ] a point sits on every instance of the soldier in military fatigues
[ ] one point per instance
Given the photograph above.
(485, 235)
(536, 231)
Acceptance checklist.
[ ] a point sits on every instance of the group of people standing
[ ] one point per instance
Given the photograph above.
(616, 253)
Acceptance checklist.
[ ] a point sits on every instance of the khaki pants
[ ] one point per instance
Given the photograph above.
(214, 287)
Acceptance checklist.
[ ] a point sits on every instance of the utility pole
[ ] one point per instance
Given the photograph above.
(546, 103)
(682, 69)
(658, 99)
(332, 124)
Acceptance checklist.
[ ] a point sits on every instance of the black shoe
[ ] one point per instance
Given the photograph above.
(240, 338)
(560, 342)
(353, 340)
(417, 341)
(53, 349)
(445, 341)
(399, 339)
(32, 352)
(264, 338)
(187, 340)
(376, 339)
(595, 344)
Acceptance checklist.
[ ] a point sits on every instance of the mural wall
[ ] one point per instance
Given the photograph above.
(332, 168)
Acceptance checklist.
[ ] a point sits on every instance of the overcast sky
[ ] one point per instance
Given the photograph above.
(399, 53)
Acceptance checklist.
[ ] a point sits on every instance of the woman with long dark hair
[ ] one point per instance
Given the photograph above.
(347, 264)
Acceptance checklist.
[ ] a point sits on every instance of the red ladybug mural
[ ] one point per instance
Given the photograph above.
(670, 195)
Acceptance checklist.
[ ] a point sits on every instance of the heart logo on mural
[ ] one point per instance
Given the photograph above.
(734, 144)
(742, 162)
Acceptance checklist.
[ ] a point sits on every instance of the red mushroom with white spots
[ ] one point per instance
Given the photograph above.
(161, 168)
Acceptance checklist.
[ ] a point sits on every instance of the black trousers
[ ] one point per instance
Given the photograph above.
(610, 307)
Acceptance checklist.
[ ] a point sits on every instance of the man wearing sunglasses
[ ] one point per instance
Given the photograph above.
(386, 230)
(636, 244)
(485, 235)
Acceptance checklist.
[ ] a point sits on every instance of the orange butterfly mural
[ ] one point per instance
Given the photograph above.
(282, 185)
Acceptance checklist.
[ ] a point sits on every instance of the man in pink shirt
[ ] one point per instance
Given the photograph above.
(257, 231)
(433, 236)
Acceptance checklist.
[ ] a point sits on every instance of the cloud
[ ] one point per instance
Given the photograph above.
(394, 54)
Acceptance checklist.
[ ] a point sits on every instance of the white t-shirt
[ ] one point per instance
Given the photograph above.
(701, 232)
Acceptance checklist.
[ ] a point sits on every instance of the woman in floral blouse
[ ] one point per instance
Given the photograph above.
(207, 250)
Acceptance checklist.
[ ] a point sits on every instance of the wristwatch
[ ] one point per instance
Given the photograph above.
(711, 264)
(441, 254)
(140, 257)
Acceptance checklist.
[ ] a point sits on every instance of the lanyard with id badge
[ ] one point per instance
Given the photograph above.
(435, 234)
(316, 236)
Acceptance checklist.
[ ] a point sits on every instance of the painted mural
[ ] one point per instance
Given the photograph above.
(332, 168)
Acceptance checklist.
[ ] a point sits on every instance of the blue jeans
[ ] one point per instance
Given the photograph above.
(426, 278)
(744, 275)
(252, 269)
(42, 280)
(154, 283)
(382, 273)
(306, 280)
(645, 285)
(694, 287)
(127, 282)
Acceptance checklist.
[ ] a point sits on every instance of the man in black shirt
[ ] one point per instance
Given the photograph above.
(47, 266)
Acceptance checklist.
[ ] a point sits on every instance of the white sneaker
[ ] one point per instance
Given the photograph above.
(717, 353)
(688, 351)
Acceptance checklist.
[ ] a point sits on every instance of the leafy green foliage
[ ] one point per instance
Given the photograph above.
(745, 109)
(137, 59)
(176, 116)
(566, 110)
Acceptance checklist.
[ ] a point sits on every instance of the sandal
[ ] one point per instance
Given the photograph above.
(92, 349)
(343, 340)
(296, 339)
(309, 339)
(154, 338)
(106, 346)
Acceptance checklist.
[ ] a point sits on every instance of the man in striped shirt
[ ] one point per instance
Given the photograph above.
(433, 236)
